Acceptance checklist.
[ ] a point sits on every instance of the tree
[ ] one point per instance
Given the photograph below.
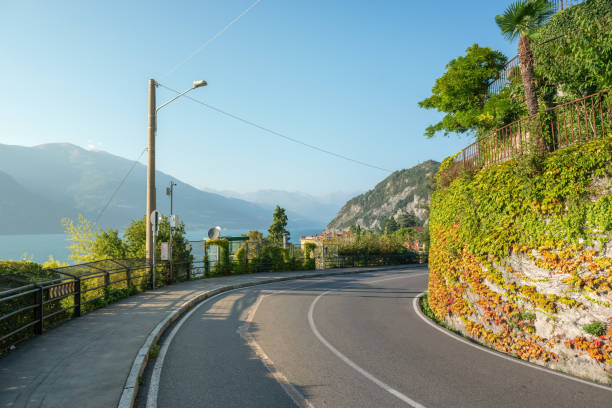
(278, 228)
(108, 244)
(408, 220)
(461, 91)
(255, 236)
(355, 230)
(89, 243)
(389, 226)
(521, 19)
(135, 239)
(82, 236)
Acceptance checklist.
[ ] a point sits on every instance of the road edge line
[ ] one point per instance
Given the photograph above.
(419, 312)
(351, 363)
(130, 389)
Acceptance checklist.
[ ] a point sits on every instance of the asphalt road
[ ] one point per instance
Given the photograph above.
(347, 341)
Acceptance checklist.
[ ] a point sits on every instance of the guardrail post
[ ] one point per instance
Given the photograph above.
(39, 311)
(107, 284)
(77, 297)
(246, 258)
(323, 256)
(128, 275)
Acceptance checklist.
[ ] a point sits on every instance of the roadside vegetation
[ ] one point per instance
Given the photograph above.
(521, 243)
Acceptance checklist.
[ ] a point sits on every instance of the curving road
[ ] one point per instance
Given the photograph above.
(347, 341)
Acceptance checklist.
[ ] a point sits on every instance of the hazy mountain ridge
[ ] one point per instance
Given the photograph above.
(61, 180)
(320, 209)
(402, 192)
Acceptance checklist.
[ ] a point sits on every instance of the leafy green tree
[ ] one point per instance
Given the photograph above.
(389, 226)
(504, 107)
(278, 228)
(408, 220)
(135, 239)
(89, 243)
(521, 19)
(81, 236)
(109, 244)
(255, 236)
(461, 91)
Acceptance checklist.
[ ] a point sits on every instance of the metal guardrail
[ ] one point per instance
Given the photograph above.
(577, 121)
(30, 308)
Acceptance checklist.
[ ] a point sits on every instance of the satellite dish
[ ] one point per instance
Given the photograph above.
(214, 232)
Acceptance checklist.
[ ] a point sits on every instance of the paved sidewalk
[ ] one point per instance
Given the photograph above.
(85, 362)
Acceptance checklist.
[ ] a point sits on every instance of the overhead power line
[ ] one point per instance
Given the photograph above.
(213, 38)
(275, 133)
(119, 186)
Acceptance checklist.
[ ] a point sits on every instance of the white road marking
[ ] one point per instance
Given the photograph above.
(348, 361)
(159, 362)
(153, 393)
(499, 354)
(297, 397)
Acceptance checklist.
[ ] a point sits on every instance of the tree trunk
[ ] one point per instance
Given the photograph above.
(526, 65)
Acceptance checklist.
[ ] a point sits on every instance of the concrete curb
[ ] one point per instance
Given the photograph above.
(130, 390)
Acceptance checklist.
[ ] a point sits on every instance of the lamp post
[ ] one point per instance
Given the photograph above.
(153, 109)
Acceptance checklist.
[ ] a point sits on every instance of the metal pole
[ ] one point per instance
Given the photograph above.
(153, 263)
(172, 184)
(151, 204)
(323, 255)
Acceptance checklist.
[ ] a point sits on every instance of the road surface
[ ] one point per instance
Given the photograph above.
(347, 341)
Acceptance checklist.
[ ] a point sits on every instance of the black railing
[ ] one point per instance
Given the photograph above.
(31, 304)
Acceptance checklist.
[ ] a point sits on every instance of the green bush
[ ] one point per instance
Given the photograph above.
(595, 328)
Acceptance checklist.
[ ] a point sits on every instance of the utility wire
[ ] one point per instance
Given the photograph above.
(248, 122)
(119, 186)
(213, 38)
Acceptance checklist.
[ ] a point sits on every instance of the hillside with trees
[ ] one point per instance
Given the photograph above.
(401, 198)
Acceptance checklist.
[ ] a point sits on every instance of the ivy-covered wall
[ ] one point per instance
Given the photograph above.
(521, 257)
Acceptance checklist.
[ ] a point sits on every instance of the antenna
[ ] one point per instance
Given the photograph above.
(214, 232)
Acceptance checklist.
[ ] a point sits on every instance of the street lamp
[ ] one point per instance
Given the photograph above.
(153, 109)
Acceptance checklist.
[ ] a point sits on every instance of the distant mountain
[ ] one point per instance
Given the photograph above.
(42, 184)
(402, 192)
(36, 214)
(319, 209)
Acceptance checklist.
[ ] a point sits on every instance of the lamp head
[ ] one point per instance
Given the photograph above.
(197, 84)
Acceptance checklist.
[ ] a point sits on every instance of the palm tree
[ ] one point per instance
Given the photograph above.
(522, 19)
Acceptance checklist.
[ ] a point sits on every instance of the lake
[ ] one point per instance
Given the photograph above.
(39, 247)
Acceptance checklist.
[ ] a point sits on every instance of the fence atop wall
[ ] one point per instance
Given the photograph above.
(578, 121)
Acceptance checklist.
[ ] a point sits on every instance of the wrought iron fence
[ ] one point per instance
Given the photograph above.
(578, 121)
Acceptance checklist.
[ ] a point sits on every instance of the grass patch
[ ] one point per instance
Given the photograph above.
(595, 328)
(154, 352)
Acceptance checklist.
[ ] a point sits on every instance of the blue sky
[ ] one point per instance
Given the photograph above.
(342, 75)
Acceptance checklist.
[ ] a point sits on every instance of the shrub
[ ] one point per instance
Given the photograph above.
(595, 328)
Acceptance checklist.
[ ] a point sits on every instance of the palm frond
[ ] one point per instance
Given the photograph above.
(523, 17)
